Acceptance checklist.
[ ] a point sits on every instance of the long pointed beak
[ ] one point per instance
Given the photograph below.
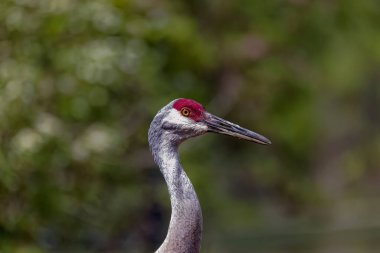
(221, 126)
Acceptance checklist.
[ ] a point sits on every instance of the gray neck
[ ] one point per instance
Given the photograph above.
(185, 229)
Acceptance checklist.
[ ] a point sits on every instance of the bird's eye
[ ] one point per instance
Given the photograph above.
(185, 112)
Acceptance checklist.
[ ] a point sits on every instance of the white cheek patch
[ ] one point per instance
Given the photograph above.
(174, 117)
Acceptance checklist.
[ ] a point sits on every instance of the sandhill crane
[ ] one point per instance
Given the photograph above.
(182, 119)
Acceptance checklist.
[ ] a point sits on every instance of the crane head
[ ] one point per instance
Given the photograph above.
(186, 118)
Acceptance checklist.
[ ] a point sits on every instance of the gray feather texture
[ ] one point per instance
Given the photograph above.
(185, 228)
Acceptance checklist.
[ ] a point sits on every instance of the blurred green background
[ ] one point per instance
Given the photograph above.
(80, 82)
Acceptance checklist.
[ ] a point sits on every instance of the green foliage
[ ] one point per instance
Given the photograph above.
(80, 82)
